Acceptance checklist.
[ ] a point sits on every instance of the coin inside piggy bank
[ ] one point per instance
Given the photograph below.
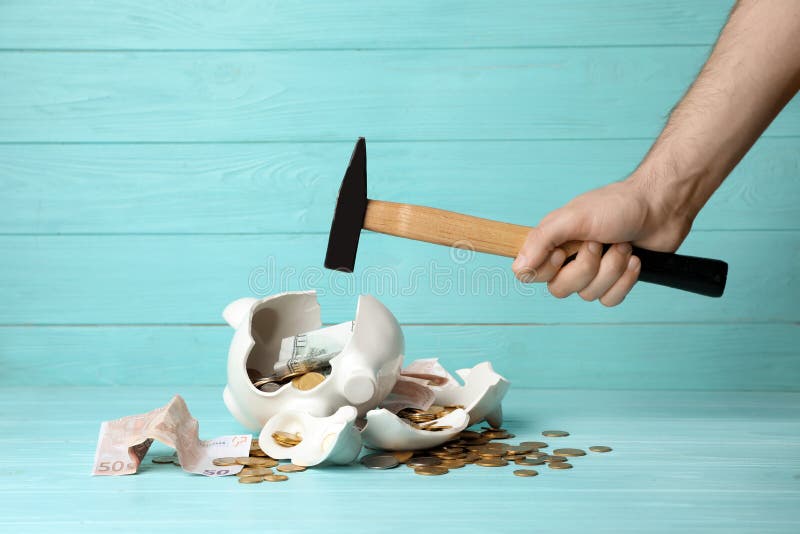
(357, 365)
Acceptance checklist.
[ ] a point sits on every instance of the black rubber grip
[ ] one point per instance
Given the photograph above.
(703, 276)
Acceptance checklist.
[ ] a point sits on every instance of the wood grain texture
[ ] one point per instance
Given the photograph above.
(189, 279)
(292, 187)
(681, 461)
(446, 228)
(675, 356)
(595, 93)
(362, 24)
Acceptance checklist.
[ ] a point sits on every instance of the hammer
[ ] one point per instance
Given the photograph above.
(355, 211)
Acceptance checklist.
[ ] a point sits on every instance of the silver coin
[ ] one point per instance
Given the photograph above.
(424, 461)
(163, 459)
(269, 387)
(380, 461)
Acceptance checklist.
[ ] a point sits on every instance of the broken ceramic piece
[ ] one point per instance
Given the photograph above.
(481, 395)
(385, 430)
(332, 439)
(362, 374)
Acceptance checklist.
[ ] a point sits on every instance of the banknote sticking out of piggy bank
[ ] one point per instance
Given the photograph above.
(280, 360)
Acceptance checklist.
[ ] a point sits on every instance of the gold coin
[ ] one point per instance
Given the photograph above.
(534, 444)
(550, 459)
(250, 480)
(308, 381)
(254, 472)
(569, 452)
(559, 465)
(242, 460)
(555, 434)
(275, 478)
(486, 462)
(469, 435)
(287, 439)
(290, 468)
(258, 452)
(519, 449)
(526, 472)
(402, 456)
(600, 448)
(431, 470)
(262, 462)
(254, 444)
(453, 464)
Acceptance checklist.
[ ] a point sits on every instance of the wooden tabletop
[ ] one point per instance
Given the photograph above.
(682, 461)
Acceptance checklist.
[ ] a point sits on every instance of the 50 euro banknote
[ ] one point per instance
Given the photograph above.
(124, 442)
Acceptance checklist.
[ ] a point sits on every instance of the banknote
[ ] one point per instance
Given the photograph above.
(431, 370)
(313, 350)
(124, 442)
(409, 392)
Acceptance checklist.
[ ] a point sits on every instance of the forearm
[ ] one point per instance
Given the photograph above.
(753, 71)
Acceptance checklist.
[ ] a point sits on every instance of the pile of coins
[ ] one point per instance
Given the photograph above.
(426, 419)
(470, 447)
(258, 466)
(302, 380)
(481, 449)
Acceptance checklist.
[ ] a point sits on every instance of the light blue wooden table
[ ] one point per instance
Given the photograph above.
(161, 159)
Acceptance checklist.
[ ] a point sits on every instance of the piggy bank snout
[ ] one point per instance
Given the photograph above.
(359, 386)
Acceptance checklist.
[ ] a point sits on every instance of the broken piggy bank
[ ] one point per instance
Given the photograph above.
(361, 374)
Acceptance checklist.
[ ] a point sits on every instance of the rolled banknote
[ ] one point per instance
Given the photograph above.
(124, 442)
(313, 350)
(431, 370)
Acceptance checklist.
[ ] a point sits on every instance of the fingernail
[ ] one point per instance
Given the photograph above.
(528, 277)
(625, 248)
(594, 247)
(557, 258)
(519, 262)
(633, 263)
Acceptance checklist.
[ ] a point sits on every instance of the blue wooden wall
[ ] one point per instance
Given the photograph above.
(160, 159)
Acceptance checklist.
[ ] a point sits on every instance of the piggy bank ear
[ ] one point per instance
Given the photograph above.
(237, 311)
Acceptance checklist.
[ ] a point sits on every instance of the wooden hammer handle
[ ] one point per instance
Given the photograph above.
(697, 275)
(449, 228)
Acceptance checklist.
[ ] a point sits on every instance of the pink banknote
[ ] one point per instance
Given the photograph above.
(124, 442)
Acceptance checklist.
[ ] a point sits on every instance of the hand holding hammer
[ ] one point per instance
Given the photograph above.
(355, 211)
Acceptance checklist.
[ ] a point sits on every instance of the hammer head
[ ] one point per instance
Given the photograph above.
(348, 218)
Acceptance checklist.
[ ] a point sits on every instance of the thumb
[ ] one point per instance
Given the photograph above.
(556, 228)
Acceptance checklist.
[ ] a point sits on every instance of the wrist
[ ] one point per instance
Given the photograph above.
(674, 188)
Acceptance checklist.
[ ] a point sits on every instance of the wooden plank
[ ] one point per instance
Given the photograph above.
(681, 461)
(189, 279)
(338, 95)
(253, 24)
(277, 187)
(675, 356)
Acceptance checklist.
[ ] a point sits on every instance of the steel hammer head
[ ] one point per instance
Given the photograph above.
(348, 217)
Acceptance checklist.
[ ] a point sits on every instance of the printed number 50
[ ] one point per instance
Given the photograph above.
(119, 465)
(216, 472)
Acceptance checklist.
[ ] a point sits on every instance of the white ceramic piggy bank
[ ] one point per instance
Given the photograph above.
(362, 374)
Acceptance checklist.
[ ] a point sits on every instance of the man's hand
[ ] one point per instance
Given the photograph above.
(753, 71)
(619, 213)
